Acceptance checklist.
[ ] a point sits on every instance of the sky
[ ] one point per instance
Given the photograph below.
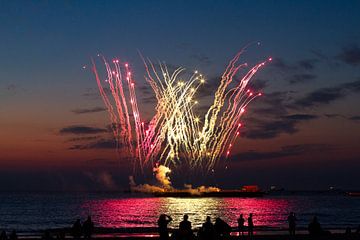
(303, 133)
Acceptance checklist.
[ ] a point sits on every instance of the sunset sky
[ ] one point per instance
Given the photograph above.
(304, 133)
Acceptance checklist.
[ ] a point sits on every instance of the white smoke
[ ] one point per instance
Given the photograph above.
(144, 188)
(200, 190)
(161, 174)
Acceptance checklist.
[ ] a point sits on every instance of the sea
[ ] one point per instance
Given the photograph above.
(30, 212)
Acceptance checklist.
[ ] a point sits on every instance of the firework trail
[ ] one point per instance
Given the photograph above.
(176, 135)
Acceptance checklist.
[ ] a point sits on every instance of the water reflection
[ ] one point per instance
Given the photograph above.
(143, 212)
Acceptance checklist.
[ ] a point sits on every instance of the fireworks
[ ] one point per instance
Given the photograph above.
(176, 134)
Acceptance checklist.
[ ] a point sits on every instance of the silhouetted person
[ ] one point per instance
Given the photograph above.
(292, 223)
(207, 230)
(47, 235)
(185, 228)
(60, 235)
(250, 225)
(222, 229)
(315, 227)
(348, 231)
(13, 235)
(163, 222)
(76, 229)
(3, 236)
(241, 222)
(358, 230)
(88, 228)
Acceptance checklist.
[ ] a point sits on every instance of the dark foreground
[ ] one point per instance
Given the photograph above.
(255, 237)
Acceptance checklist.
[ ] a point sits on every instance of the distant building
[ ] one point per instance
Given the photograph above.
(250, 188)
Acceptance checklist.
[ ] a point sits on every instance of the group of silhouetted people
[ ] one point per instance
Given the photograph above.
(221, 230)
(12, 236)
(241, 225)
(208, 231)
(86, 229)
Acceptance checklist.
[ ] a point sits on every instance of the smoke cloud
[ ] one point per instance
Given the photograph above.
(162, 176)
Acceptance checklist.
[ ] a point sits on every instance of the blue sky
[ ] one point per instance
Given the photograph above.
(308, 117)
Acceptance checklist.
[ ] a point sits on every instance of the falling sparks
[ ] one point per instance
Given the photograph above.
(176, 134)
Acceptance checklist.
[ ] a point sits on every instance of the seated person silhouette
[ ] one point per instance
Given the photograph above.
(315, 227)
(222, 229)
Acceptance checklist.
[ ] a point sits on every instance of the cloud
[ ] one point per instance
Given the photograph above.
(81, 129)
(333, 115)
(301, 65)
(103, 178)
(266, 129)
(285, 151)
(99, 144)
(300, 117)
(272, 104)
(355, 118)
(93, 93)
(203, 59)
(257, 85)
(88, 110)
(80, 139)
(327, 95)
(350, 55)
(301, 78)
(308, 64)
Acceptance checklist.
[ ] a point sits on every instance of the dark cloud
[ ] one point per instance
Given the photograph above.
(333, 115)
(281, 65)
(308, 64)
(149, 99)
(285, 151)
(272, 104)
(88, 110)
(327, 95)
(350, 55)
(81, 129)
(203, 59)
(301, 78)
(301, 65)
(93, 93)
(145, 90)
(295, 72)
(267, 129)
(354, 118)
(257, 85)
(99, 144)
(300, 117)
(80, 139)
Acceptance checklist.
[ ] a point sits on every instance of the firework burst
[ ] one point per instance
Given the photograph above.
(176, 134)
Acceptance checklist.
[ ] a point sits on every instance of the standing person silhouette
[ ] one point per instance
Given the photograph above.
(3, 235)
(76, 229)
(292, 223)
(250, 225)
(241, 227)
(163, 222)
(88, 228)
(185, 228)
(13, 235)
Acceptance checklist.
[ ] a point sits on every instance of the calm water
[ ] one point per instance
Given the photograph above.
(29, 212)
